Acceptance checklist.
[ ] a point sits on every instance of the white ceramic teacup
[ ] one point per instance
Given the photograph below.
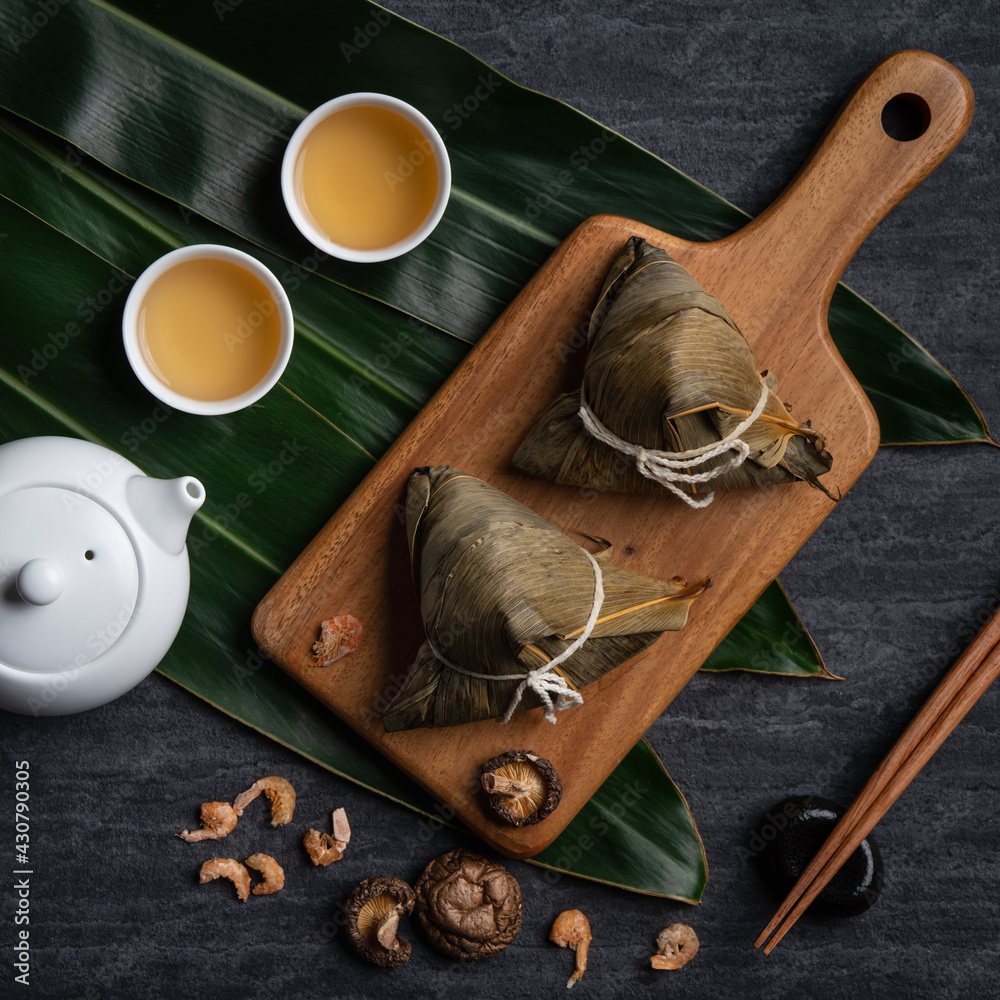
(293, 197)
(132, 331)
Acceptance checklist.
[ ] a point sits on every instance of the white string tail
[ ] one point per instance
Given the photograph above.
(664, 466)
(542, 680)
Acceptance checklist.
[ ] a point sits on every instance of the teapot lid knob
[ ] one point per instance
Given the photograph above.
(71, 583)
(40, 581)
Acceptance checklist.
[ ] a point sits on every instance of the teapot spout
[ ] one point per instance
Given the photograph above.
(164, 508)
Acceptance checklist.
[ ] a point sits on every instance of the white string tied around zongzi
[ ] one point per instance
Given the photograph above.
(542, 680)
(664, 466)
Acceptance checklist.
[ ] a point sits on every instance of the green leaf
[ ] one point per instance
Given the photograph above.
(200, 116)
(62, 372)
(394, 362)
(186, 108)
(638, 814)
(131, 227)
(769, 639)
(917, 400)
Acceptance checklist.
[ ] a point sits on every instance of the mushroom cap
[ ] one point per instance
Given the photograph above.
(367, 904)
(468, 905)
(550, 791)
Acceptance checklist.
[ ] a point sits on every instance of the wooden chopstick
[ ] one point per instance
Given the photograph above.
(957, 692)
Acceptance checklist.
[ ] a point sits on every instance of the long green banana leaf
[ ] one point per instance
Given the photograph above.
(234, 676)
(129, 227)
(367, 366)
(61, 373)
(769, 639)
(190, 104)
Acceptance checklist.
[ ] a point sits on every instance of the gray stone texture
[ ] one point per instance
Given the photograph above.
(892, 587)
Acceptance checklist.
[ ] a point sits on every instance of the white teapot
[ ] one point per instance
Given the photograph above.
(94, 574)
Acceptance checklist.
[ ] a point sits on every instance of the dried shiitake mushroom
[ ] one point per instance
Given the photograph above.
(676, 945)
(522, 787)
(468, 905)
(374, 909)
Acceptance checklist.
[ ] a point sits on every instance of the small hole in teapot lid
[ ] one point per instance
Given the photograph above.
(89, 554)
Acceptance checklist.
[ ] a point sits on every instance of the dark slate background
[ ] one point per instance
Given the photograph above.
(892, 587)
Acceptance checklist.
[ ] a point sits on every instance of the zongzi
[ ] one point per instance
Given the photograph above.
(671, 397)
(516, 614)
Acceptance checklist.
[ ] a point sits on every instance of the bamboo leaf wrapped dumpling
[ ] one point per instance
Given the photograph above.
(671, 397)
(503, 594)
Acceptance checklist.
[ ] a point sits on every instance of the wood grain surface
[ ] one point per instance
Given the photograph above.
(775, 277)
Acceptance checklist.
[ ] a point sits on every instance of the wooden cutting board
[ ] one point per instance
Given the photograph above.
(775, 277)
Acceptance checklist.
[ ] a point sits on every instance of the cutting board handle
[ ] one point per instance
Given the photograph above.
(858, 173)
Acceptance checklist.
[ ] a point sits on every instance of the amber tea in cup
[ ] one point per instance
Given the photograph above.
(207, 329)
(366, 177)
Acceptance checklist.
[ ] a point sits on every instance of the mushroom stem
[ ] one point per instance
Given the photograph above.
(387, 927)
(499, 784)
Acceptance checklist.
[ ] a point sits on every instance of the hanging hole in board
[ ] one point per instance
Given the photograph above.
(905, 117)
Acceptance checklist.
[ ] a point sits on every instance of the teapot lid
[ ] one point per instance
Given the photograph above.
(69, 579)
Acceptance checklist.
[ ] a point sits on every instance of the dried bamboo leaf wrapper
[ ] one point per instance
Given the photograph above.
(502, 592)
(669, 371)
